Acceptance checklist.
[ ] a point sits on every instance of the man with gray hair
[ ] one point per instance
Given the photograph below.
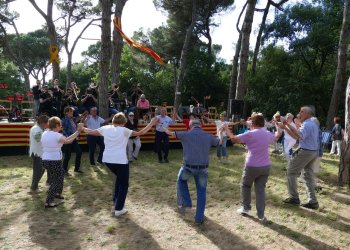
(196, 145)
(304, 157)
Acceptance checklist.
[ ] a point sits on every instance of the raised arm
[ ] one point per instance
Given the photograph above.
(70, 139)
(233, 138)
(154, 121)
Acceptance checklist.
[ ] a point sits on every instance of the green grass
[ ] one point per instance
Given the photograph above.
(85, 221)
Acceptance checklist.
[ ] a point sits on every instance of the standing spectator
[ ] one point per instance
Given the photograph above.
(113, 99)
(127, 104)
(88, 100)
(337, 136)
(132, 125)
(58, 94)
(46, 101)
(116, 138)
(52, 142)
(275, 120)
(221, 128)
(289, 141)
(162, 138)
(196, 145)
(93, 121)
(257, 163)
(136, 93)
(36, 95)
(70, 127)
(305, 156)
(70, 100)
(36, 151)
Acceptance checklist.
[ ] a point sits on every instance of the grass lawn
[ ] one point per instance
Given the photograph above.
(85, 221)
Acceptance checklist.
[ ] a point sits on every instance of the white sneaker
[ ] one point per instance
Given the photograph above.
(263, 219)
(243, 211)
(120, 212)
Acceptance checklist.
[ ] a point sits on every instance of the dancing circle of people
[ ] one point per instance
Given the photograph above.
(120, 143)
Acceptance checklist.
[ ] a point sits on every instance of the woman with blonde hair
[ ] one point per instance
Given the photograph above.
(116, 138)
(52, 142)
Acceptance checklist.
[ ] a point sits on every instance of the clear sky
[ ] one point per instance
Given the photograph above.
(140, 14)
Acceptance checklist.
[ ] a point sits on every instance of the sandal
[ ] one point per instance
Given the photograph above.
(50, 205)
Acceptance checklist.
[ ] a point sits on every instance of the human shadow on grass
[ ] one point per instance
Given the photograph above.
(219, 235)
(92, 190)
(134, 236)
(341, 197)
(307, 241)
(51, 228)
(315, 216)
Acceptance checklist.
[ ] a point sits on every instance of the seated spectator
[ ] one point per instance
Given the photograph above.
(143, 106)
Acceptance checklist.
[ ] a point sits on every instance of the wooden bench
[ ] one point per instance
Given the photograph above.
(27, 109)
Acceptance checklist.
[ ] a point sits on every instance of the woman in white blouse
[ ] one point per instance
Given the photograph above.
(52, 142)
(116, 138)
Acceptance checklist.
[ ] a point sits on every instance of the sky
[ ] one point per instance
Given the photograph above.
(140, 14)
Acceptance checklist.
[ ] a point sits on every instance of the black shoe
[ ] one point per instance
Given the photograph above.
(78, 171)
(160, 161)
(166, 160)
(100, 162)
(50, 205)
(58, 196)
(292, 200)
(310, 205)
(135, 158)
(67, 174)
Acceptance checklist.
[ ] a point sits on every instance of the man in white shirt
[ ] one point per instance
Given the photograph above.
(162, 138)
(93, 121)
(36, 151)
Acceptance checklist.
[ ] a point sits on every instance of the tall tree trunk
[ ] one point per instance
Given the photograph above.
(183, 58)
(338, 87)
(344, 166)
(117, 44)
(69, 69)
(106, 6)
(258, 38)
(234, 72)
(51, 32)
(243, 57)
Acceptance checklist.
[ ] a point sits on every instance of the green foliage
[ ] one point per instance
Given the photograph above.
(9, 74)
(304, 74)
(81, 74)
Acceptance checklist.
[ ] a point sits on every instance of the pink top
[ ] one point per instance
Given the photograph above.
(143, 104)
(257, 141)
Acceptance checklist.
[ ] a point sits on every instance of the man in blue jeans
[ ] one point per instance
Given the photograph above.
(196, 145)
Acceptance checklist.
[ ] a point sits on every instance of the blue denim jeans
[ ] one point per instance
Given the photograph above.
(183, 195)
(221, 149)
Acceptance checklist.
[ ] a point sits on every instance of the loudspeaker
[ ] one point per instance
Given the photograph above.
(236, 107)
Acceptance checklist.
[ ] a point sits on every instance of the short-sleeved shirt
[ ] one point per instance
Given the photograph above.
(309, 133)
(35, 141)
(94, 122)
(51, 145)
(143, 104)
(257, 141)
(116, 139)
(36, 92)
(219, 124)
(196, 145)
(164, 121)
